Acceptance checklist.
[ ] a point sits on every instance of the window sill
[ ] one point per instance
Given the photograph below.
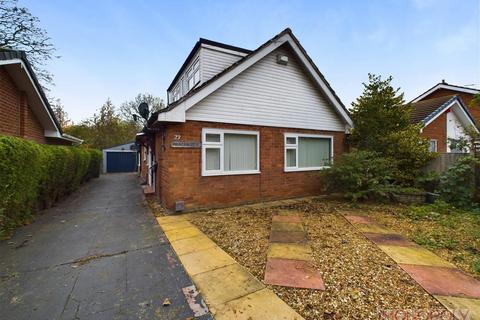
(305, 169)
(231, 173)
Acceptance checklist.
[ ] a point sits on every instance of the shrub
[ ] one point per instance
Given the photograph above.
(457, 184)
(33, 175)
(361, 175)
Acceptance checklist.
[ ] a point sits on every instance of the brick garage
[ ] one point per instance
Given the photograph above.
(179, 172)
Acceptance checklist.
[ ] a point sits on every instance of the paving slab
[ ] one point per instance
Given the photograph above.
(287, 226)
(263, 304)
(225, 284)
(293, 273)
(287, 218)
(390, 240)
(177, 234)
(359, 219)
(373, 228)
(170, 219)
(194, 244)
(288, 236)
(205, 260)
(415, 256)
(293, 251)
(462, 308)
(176, 225)
(444, 281)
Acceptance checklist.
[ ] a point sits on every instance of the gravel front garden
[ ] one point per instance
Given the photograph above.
(361, 281)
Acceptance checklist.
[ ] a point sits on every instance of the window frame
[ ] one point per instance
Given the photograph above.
(436, 145)
(220, 145)
(295, 147)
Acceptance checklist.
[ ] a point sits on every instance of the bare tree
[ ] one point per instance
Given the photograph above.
(20, 30)
(129, 108)
(60, 113)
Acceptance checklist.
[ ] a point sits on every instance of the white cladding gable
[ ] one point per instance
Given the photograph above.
(213, 61)
(270, 94)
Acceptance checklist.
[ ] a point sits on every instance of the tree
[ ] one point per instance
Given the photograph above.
(20, 30)
(105, 128)
(61, 114)
(129, 108)
(379, 111)
(382, 124)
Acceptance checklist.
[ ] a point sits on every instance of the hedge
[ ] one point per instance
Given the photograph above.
(33, 176)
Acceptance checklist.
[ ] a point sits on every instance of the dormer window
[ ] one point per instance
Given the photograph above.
(192, 76)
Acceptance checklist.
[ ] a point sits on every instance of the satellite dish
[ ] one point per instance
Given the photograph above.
(143, 110)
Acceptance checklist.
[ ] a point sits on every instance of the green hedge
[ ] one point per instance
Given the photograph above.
(34, 176)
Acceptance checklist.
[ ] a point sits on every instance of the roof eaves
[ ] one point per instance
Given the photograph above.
(10, 54)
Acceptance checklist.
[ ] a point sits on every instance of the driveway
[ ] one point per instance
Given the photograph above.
(97, 255)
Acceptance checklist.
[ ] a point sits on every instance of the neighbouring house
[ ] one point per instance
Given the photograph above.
(443, 89)
(243, 126)
(120, 158)
(24, 108)
(445, 120)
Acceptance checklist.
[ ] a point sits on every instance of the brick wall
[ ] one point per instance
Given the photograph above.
(437, 130)
(179, 171)
(466, 97)
(9, 105)
(16, 117)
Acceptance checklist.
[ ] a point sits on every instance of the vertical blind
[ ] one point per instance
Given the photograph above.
(240, 152)
(313, 152)
(212, 158)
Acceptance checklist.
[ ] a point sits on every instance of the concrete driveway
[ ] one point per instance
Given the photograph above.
(97, 255)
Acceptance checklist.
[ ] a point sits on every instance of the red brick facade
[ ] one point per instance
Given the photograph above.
(179, 177)
(437, 130)
(16, 117)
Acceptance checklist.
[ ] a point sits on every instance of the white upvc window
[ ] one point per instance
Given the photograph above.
(304, 152)
(192, 76)
(228, 152)
(433, 145)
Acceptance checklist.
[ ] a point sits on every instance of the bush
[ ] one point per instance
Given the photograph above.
(34, 175)
(457, 184)
(361, 175)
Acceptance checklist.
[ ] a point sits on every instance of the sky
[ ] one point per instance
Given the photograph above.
(117, 48)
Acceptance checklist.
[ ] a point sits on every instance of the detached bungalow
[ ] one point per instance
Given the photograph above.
(243, 126)
(24, 108)
(445, 112)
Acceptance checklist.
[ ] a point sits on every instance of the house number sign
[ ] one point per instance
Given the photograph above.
(186, 144)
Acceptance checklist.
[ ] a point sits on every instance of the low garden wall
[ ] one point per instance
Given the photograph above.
(33, 176)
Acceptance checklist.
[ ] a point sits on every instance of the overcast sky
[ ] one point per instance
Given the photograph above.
(116, 49)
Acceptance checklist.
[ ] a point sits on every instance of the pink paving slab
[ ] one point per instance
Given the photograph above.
(295, 219)
(389, 240)
(359, 219)
(293, 273)
(444, 281)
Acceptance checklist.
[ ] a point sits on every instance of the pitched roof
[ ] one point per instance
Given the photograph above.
(9, 54)
(445, 85)
(427, 110)
(242, 61)
(194, 50)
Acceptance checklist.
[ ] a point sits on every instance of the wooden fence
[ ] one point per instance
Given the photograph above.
(443, 162)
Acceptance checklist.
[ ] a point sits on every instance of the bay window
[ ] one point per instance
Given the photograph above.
(307, 152)
(229, 152)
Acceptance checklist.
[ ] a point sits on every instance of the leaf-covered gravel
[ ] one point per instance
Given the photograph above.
(361, 281)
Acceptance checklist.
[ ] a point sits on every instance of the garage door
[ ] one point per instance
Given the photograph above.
(121, 161)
